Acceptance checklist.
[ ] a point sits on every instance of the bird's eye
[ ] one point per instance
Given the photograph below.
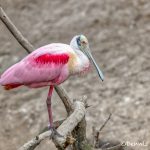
(83, 42)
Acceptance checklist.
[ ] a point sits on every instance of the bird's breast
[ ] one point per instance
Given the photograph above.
(84, 69)
(78, 64)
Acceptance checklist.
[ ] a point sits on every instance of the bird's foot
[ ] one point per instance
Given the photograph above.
(54, 132)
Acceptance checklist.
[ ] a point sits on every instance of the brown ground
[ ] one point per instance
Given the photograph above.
(119, 35)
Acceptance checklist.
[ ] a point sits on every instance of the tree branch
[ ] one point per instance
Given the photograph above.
(106, 121)
(96, 133)
(64, 129)
(65, 99)
(15, 32)
(79, 133)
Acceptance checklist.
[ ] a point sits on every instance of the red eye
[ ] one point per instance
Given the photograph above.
(83, 42)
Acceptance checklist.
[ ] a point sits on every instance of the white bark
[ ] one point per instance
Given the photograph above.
(64, 129)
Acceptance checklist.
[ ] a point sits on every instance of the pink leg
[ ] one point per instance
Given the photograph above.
(49, 105)
(51, 126)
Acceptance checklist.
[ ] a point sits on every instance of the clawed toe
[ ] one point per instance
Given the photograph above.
(54, 132)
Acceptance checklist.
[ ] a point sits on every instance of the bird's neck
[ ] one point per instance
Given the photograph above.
(82, 62)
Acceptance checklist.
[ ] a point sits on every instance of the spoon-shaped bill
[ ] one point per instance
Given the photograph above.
(88, 53)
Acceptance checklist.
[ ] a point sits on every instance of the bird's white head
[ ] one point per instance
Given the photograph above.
(80, 42)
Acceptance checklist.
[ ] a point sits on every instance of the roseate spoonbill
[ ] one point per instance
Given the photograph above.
(50, 65)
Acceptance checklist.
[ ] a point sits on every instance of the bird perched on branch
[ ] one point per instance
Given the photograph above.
(51, 65)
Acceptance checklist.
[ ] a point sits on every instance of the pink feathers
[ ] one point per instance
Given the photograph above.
(52, 58)
(45, 66)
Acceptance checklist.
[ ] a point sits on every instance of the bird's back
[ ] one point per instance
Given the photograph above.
(42, 65)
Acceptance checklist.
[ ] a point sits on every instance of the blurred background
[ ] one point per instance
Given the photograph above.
(119, 36)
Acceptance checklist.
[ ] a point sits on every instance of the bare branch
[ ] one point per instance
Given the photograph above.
(71, 122)
(64, 129)
(65, 99)
(105, 123)
(29, 47)
(32, 144)
(15, 32)
(79, 133)
(96, 134)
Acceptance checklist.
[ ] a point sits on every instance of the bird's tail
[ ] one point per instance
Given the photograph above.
(11, 86)
(8, 86)
(7, 79)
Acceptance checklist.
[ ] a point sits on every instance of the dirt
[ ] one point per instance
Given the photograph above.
(118, 32)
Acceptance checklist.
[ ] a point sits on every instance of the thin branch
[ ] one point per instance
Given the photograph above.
(96, 134)
(105, 123)
(64, 129)
(29, 47)
(65, 99)
(15, 32)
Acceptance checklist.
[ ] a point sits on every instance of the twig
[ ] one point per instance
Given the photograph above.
(29, 47)
(105, 123)
(64, 129)
(97, 133)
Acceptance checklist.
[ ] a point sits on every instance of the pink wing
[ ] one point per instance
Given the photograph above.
(43, 65)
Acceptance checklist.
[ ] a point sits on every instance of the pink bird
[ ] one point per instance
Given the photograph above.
(50, 65)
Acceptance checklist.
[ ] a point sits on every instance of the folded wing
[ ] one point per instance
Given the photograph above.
(35, 68)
